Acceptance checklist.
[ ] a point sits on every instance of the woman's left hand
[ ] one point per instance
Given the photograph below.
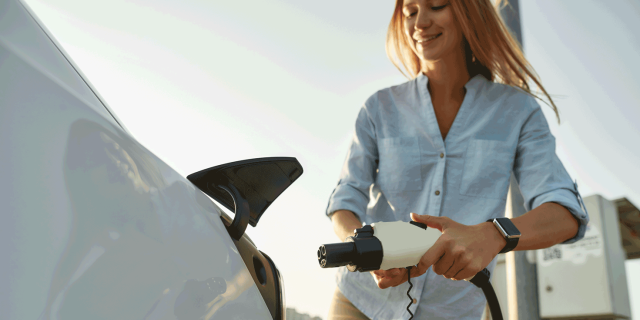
(461, 251)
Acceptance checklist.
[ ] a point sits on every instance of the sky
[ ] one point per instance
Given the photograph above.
(202, 83)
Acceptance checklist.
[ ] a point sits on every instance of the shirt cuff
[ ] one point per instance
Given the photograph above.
(345, 197)
(571, 200)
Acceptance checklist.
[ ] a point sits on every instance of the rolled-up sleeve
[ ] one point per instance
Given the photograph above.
(540, 174)
(358, 171)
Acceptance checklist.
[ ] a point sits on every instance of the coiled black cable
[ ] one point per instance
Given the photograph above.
(408, 295)
(480, 280)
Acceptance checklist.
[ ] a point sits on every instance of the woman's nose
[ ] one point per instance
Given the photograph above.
(423, 20)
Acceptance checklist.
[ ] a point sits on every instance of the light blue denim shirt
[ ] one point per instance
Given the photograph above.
(398, 163)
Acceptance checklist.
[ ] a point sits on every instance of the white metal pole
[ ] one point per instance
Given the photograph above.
(522, 282)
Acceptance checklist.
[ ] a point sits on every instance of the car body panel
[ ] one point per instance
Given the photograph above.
(92, 224)
(26, 36)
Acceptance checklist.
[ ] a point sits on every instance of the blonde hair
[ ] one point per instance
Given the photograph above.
(490, 50)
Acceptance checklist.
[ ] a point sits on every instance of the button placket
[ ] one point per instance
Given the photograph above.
(442, 164)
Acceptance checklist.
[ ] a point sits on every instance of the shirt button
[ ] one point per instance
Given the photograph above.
(415, 301)
(441, 155)
(437, 192)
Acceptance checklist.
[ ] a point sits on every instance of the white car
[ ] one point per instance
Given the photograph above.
(94, 226)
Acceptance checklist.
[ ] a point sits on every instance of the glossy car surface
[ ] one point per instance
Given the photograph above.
(92, 224)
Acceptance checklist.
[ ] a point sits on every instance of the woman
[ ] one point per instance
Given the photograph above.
(444, 145)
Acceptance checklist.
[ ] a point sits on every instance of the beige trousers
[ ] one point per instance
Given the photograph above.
(342, 309)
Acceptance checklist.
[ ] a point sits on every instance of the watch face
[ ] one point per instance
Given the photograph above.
(509, 228)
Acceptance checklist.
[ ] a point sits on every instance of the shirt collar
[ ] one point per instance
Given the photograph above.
(472, 85)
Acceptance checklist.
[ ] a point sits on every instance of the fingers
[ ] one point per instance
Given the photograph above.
(454, 270)
(458, 264)
(399, 277)
(469, 271)
(393, 272)
(440, 223)
(387, 273)
(431, 257)
(445, 263)
(457, 254)
(461, 259)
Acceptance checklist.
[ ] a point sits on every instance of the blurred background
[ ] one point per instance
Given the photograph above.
(202, 83)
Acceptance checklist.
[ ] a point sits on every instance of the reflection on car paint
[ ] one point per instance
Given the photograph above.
(197, 296)
(94, 226)
(135, 235)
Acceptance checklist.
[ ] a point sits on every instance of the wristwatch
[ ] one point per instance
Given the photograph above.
(508, 231)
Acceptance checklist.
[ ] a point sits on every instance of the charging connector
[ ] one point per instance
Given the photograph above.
(387, 245)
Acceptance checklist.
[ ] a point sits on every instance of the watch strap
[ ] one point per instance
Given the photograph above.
(511, 242)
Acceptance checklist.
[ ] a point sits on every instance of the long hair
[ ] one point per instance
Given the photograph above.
(490, 50)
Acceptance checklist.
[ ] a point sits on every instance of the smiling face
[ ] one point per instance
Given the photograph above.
(432, 30)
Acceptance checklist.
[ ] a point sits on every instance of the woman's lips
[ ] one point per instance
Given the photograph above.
(427, 41)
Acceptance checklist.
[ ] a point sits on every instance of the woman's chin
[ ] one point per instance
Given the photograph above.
(429, 58)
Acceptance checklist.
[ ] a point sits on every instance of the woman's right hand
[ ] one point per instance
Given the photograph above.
(389, 278)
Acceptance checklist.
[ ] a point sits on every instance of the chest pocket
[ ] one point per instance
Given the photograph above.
(399, 166)
(487, 169)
